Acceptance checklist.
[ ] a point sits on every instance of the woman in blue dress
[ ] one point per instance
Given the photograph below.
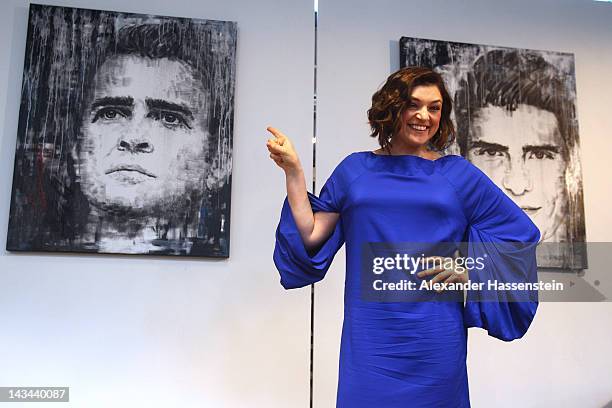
(408, 352)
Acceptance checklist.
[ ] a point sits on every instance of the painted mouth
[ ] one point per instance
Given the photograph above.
(130, 168)
(418, 128)
(529, 209)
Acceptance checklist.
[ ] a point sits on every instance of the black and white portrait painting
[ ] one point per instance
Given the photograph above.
(515, 111)
(124, 142)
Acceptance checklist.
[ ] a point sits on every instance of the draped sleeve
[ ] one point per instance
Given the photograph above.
(297, 266)
(505, 239)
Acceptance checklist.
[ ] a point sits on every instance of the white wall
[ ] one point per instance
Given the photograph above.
(126, 331)
(562, 361)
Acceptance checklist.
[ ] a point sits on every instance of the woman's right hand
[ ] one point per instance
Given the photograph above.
(314, 228)
(282, 151)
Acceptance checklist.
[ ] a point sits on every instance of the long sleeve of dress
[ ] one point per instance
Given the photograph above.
(505, 239)
(298, 267)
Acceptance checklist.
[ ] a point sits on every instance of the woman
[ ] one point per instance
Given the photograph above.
(407, 353)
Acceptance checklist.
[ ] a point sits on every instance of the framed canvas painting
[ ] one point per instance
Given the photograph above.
(124, 142)
(515, 112)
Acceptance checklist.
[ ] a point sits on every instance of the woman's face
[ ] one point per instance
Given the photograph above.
(421, 119)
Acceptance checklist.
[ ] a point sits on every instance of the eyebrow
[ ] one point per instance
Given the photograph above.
(126, 101)
(160, 104)
(412, 98)
(480, 143)
(550, 147)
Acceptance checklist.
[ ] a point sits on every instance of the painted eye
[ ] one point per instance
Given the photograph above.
(489, 152)
(541, 155)
(110, 114)
(169, 119)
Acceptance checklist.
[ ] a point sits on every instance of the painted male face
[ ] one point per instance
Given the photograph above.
(144, 135)
(520, 151)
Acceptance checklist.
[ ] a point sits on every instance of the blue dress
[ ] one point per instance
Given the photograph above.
(413, 354)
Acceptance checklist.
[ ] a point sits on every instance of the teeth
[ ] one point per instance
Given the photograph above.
(418, 127)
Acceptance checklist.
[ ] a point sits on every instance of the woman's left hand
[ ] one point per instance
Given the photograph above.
(448, 273)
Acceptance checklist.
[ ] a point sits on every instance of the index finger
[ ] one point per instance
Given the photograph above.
(277, 133)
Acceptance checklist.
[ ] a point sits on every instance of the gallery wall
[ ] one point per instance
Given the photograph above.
(154, 331)
(560, 362)
(127, 331)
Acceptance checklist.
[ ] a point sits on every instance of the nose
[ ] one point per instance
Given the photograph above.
(423, 113)
(134, 143)
(517, 179)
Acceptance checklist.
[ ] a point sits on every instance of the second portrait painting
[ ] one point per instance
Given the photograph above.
(515, 111)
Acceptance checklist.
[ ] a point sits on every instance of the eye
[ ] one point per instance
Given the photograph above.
(541, 154)
(110, 114)
(169, 119)
(489, 152)
(434, 108)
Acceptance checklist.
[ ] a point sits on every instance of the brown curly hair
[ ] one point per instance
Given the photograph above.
(391, 100)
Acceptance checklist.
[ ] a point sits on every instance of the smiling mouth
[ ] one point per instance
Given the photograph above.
(130, 168)
(419, 128)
